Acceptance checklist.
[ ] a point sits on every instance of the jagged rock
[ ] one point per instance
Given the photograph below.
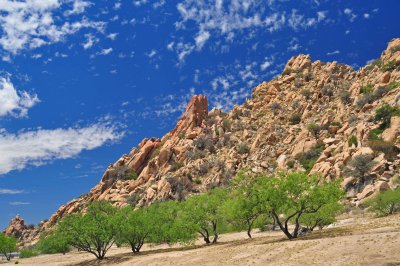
(16, 227)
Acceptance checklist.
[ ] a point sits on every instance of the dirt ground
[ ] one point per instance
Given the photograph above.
(352, 241)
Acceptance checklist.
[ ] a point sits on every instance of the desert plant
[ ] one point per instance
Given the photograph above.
(132, 175)
(309, 158)
(393, 85)
(366, 89)
(314, 129)
(275, 107)
(295, 119)
(385, 203)
(93, 232)
(7, 246)
(389, 66)
(242, 148)
(326, 215)
(387, 148)
(306, 93)
(295, 195)
(352, 141)
(53, 243)
(385, 113)
(327, 90)
(359, 167)
(345, 97)
(28, 253)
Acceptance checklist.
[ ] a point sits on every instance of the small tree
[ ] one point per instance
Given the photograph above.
(53, 243)
(386, 203)
(8, 245)
(134, 227)
(297, 194)
(93, 232)
(385, 113)
(203, 213)
(323, 217)
(244, 206)
(359, 167)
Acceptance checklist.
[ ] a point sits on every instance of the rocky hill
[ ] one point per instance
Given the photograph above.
(315, 116)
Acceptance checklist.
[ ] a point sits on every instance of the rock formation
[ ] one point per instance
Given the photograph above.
(315, 116)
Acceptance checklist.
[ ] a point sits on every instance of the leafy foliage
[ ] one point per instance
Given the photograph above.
(53, 243)
(93, 232)
(386, 203)
(385, 113)
(7, 246)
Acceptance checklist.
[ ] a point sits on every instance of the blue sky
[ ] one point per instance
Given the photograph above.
(83, 81)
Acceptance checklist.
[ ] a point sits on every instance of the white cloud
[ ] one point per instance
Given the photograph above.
(267, 63)
(29, 24)
(366, 15)
(42, 146)
(112, 36)
(90, 41)
(18, 203)
(151, 54)
(333, 53)
(106, 51)
(350, 14)
(201, 39)
(5, 191)
(78, 7)
(12, 102)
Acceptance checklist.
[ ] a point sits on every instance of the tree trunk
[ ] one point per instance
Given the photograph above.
(215, 233)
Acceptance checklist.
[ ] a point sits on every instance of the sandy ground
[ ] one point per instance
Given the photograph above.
(353, 241)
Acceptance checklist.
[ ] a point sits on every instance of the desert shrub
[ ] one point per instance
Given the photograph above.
(290, 164)
(353, 119)
(176, 166)
(7, 246)
(133, 199)
(28, 253)
(197, 181)
(352, 140)
(242, 148)
(385, 113)
(275, 107)
(204, 143)
(389, 66)
(306, 93)
(314, 129)
(345, 97)
(385, 203)
(364, 99)
(377, 62)
(395, 48)
(359, 167)
(132, 175)
(327, 90)
(227, 124)
(295, 119)
(393, 85)
(204, 167)
(326, 215)
(309, 158)
(375, 134)
(53, 243)
(366, 89)
(385, 147)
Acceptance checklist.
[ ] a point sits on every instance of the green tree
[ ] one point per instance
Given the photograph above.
(385, 113)
(297, 194)
(245, 208)
(386, 203)
(203, 213)
(53, 243)
(8, 245)
(93, 232)
(326, 215)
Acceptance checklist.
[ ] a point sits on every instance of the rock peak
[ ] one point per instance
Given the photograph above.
(195, 113)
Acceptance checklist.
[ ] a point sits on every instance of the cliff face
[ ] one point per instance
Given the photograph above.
(316, 115)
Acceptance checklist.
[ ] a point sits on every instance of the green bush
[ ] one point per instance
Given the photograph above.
(53, 243)
(242, 148)
(295, 119)
(393, 85)
(385, 203)
(306, 93)
(385, 147)
(314, 129)
(389, 66)
(395, 48)
(309, 158)
(385, 113)
(132, 175)
(7, 245)
(375, 134)
(366, 89)
(290, 164)
(28, 253)
(353, 141)
(345, 97)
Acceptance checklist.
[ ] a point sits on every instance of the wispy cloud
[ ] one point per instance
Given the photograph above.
(5, 191)
(13, 102)
(41, 146)
(19, 203)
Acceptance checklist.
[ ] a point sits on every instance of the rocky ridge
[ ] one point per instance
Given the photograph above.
(317, 109)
